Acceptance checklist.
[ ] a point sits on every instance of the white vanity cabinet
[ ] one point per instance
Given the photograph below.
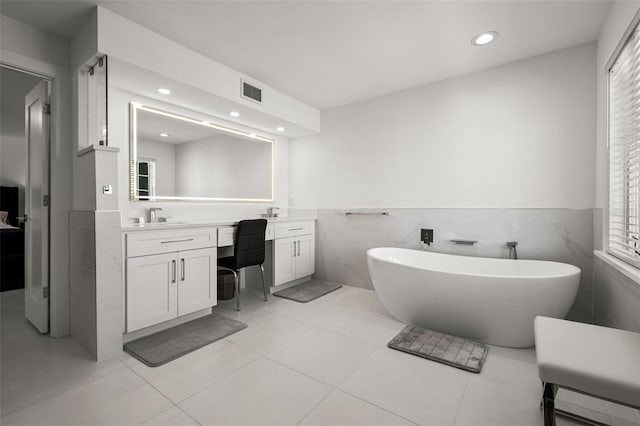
(294, 251)
(169, 274)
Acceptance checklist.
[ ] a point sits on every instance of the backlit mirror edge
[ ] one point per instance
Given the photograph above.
(133, 157)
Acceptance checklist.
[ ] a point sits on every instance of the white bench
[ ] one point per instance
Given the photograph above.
(598, 361)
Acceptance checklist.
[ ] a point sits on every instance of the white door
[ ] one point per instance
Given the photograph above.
(305, 256)
(152, 290)
(283, 261)
(36, 294)
(197, 280)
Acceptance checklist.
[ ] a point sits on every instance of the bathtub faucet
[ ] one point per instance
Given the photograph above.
(513, 253)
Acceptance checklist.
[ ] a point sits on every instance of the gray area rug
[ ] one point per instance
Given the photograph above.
(444, 348)
(308, 291)
(167, 345)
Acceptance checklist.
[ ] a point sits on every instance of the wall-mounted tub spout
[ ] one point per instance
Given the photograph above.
(513, 253)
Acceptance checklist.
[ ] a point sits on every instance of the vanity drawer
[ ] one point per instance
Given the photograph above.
(293, 229)
(226, 236)
(154, 242)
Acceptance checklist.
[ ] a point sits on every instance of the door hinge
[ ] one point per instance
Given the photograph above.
(45, 201)
(45, 292)
(46, 109)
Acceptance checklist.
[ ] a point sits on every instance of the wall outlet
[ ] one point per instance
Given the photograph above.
(426, 236)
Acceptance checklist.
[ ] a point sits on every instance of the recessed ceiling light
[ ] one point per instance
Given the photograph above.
(280, 129)
(234, 114)
(164, 135)
(163, 91)
(484, 38)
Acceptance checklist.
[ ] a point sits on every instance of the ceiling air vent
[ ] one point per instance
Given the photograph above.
(251, 92)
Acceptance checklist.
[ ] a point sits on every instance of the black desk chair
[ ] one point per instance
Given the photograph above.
(248, 250)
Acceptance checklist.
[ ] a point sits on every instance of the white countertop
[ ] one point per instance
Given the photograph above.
(204, 223)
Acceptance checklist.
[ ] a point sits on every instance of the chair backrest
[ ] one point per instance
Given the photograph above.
(249, 245)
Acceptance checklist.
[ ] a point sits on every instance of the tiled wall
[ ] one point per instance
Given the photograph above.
(617, 298)
(562, 235)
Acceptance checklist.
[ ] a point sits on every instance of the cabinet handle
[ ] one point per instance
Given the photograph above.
(173, 265)
(294, 249)
(296, 229)
(176, 241)
(298, 247)
(182, 268)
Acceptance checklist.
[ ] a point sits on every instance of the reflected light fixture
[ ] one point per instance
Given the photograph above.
(164, 135)
(485, 38)
(280, 129)
(164, 91)
(234, 114)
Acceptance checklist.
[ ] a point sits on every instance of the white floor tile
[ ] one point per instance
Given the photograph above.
(368, 326)
(621, 415)
(174, 416)
(323, 355)
(417, 389)
(582, 405)
(121, 398)
(341, 409)
(489, 403)
(267, 333)
(262, 393)
(185, 376)
(516, 367)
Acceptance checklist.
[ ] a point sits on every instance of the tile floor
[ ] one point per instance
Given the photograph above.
(321, 363)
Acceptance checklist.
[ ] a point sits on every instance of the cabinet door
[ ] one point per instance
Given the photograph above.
(196, 280)
(152, 293)
(284, 269)
(305, 256)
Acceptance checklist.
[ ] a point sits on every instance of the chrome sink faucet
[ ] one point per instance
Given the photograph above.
(513, 253)
(153, 216)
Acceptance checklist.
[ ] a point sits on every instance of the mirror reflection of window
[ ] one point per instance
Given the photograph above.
(146, 179)
(197, 160)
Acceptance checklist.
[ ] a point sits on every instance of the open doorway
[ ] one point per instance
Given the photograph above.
(24, 192)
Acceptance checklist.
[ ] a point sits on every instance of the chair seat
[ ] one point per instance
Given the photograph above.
(227, 262)
(601, 361)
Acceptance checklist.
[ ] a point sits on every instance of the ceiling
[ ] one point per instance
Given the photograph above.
(330, 53)
(150, 126)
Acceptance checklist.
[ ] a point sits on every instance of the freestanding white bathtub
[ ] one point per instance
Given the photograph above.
(490, 300)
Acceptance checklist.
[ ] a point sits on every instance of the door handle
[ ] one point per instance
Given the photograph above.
(173, 265)
(298, 247)
(182, 268)
(294, 249)
(23, 219)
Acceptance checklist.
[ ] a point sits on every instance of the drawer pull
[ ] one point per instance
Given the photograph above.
(182, 268)
(294, 249)
(173, 264)
(176, 241)
(298, 247)
(296, 229)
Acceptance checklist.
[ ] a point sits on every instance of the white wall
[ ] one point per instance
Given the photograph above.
(224, 167)
(520, 135)
(164, 155)
(31, 49)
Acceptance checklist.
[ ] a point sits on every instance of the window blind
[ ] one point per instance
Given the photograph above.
(624, 152)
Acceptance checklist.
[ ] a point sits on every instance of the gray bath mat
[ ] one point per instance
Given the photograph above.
(445, 348)
(167, 345)
(308, 291)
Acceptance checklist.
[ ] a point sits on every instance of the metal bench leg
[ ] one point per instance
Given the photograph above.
(548, 404)
(264, 284)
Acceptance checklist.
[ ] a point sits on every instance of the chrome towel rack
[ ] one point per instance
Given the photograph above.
(463, 241)
(366, 213)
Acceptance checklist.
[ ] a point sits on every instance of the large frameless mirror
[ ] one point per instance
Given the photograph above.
(177, 158)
